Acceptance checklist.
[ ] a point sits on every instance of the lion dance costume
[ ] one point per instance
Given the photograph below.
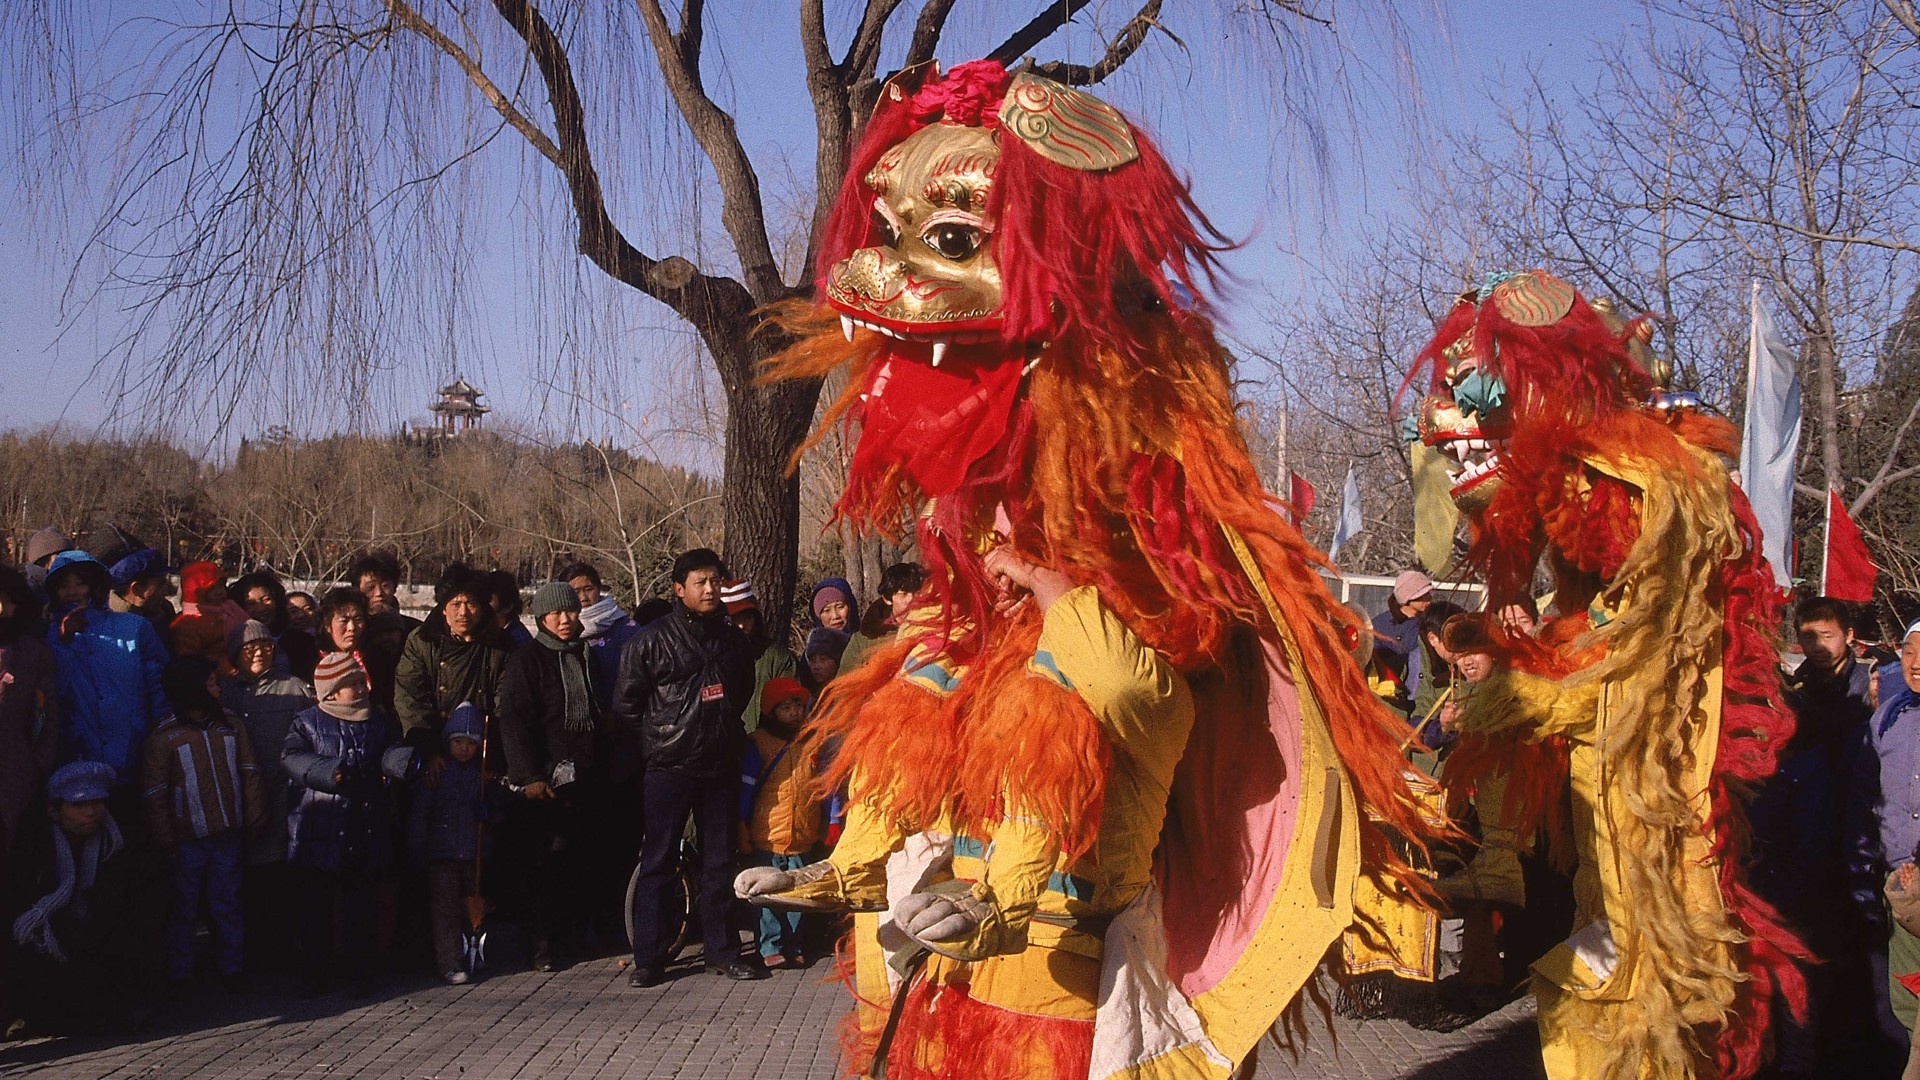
(1652, 697)
(1145, 798)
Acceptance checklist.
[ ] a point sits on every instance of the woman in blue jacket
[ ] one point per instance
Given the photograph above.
(108, 666)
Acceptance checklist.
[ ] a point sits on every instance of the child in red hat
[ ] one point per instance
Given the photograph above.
(783, 814)
(207, 616)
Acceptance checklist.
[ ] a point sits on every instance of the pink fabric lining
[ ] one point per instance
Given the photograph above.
(1229, 822)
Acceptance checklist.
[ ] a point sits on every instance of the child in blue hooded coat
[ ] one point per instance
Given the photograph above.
(444, 832)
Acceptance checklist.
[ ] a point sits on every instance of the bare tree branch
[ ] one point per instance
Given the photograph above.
(863, 55)
(1721, 209)
(813, 39)
(705, 301)
(843, 95)
(405, 15)
(692, 35)
(1887, 474)
(926, 33)
(1123, 46)
(741, 211)
(1038, 29)
(1904, 12)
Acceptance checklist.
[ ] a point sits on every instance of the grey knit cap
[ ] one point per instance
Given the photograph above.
(47, 542)
(553, 596)
(245, 634)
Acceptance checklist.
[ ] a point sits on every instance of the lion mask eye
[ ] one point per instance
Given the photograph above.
(954, 241)
(884, 227)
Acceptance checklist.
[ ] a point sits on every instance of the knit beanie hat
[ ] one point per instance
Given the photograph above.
(738, 596)
(48, 541)
(829, 590)
(780, 690)
(553, 596)
(822, 641)
(1411, 585)
(465, 721)
(337, 669)
(80, 781)
(246, 634)
(196, 576)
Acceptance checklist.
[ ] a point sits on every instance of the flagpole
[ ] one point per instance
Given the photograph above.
(1280, 447)
(1283, 477)
(1826, 545)
(1753, 345)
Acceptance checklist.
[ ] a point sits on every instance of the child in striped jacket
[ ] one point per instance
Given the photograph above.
(203, 798)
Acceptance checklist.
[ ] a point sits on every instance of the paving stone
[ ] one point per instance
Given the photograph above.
(586, 1023)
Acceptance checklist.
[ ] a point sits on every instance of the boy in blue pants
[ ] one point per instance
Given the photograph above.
(783, 815)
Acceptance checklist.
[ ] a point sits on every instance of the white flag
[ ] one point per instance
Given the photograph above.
(1771, 439)
(1350, 523)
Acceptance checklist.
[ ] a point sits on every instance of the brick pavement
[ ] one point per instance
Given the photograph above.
(585, 1024)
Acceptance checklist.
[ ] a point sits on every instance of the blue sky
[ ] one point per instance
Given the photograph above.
(1211, 114)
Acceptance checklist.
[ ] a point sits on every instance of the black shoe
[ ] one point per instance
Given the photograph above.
(642, 976)
(542, 959)
(738, 971)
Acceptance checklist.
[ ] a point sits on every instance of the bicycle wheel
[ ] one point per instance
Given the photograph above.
(682, 923)
(685, 898)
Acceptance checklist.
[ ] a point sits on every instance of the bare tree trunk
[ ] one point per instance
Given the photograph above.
(761, 500)
(1826, 365)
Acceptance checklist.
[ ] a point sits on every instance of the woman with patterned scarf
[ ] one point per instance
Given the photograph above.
(550, 721)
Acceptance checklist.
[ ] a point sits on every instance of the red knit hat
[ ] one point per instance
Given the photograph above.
(196, 576)
(738, 595)
(779, 690)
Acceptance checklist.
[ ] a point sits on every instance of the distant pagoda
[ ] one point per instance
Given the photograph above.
(459, 407)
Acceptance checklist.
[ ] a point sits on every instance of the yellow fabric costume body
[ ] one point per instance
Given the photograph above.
(1044, 954)
(1124, 827)
(1541, 398)
(1649, 959)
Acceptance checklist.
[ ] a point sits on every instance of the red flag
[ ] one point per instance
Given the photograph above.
(1300, 494)
(1848, 572)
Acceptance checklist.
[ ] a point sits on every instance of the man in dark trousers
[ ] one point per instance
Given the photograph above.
(1816, 858)
(683, 681)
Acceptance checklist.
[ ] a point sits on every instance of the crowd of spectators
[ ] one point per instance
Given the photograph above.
(336, 791)
(269, 782)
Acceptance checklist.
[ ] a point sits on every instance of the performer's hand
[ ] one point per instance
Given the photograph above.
(1016, 577)
(810, 888)
(756, 881)
(536, 790)
(1450, 717)
(932, 917)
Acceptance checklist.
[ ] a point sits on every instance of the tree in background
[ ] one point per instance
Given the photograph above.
(308, 507)
(1720, 143)
(291, 197)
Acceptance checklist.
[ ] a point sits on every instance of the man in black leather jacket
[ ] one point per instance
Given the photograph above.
(683, 681)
